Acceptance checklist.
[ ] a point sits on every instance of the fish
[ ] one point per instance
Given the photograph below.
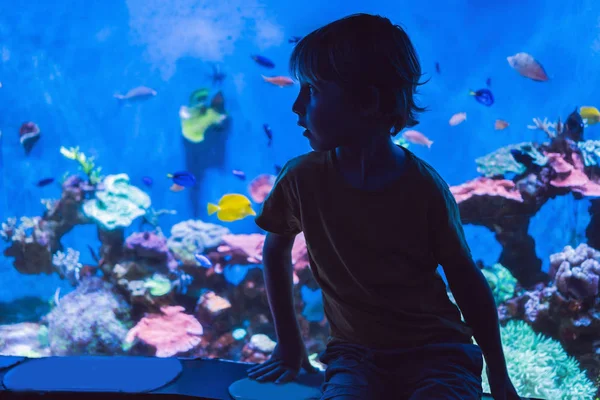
(281, 81)
(269, 133)
(488, 82)
(458, 118)
(591, 114)
(527, 66)
(183, 178)
(203, 260)
(137, 94)
(437, 67)
(176, 188)
(29, 134)
(573, 128)
(417, 137)
(146, 180)
(217, 77)
(231, 207)
(500, 124)
(239, 174)
(217, 103)
(294, 39)
(483, 96)
(263, 61)
(44, 182)
(278, 169)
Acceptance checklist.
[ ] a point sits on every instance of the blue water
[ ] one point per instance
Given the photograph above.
(62, 62)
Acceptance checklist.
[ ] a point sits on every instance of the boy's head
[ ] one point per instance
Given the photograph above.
(358, 77)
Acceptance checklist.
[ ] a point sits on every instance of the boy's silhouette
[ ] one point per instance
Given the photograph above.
(377, 221)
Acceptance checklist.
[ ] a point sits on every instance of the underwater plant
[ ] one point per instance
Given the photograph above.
(501, 282)
(538, 366)
(87, 164)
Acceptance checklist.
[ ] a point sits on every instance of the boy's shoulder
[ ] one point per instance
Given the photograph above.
(304, 163)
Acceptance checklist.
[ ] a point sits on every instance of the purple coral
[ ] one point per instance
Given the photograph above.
(151, 246)
(576, 271)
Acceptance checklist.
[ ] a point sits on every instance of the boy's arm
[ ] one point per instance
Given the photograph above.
(467, 283)
(476, 302)
(277, 260)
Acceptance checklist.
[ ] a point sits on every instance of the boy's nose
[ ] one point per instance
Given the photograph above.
(298, 107)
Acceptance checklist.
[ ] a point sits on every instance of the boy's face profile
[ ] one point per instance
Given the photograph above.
(330, 118)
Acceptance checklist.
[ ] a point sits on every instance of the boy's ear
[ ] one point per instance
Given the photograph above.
(370, 101)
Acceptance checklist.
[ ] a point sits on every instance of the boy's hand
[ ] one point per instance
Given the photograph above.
(501, 386)
(283, 365)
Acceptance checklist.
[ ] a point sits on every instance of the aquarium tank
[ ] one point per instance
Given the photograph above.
(140, 137)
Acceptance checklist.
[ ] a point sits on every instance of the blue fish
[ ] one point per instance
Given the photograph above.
(147, 181)
(263, 61)
(239, 174)
(278, 169)
(203, 260)
(235, 274)
(44, 182)
(294, 39)
(483, 96)
(183, 178)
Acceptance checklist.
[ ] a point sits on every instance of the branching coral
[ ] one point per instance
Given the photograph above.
(87, 164)
(68, 265)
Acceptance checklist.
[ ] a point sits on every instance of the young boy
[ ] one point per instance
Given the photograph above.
(377, 222)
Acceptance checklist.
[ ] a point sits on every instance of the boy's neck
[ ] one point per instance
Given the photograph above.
(377, 158)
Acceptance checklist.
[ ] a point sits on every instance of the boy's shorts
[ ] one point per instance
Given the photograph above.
(445, 371)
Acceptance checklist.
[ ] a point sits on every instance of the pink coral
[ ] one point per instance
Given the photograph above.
(483, 186)
(299, 253)
(261, 186)
(171, 332)
(251, 245)
(572, 175)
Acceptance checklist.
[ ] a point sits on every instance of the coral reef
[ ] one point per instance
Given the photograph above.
(171, 333)
(501, 282)
(26, 339)
(539, 367)
(506, 204)
(118, 204)
(194, 236)
(90, 320)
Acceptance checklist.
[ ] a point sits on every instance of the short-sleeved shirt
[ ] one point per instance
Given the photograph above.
(374, 253)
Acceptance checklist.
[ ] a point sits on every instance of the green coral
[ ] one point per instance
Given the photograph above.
(501, 161)
(590, 150)
(159, 285)
(538, 366)
(501, 282)
(199, 116)
(87, 164)
(118, 204)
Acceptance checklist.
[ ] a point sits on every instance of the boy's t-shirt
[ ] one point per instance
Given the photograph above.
(374, 253)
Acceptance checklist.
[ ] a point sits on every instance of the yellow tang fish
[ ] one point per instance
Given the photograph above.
(231, 207)
(591, 114)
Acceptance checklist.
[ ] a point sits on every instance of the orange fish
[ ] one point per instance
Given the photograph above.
(281, 81)
(458, 118)
(417, 137)
(500, 124)
(527, 66)
(176, 188)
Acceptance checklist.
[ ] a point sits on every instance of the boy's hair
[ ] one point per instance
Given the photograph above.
(363, 50)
